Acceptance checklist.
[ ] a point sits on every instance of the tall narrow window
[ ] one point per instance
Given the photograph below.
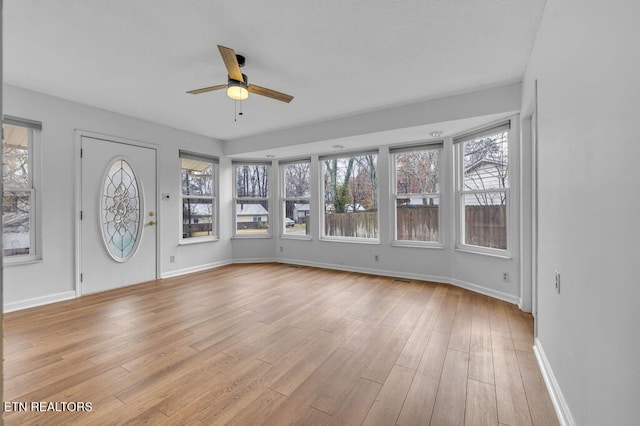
(296, 190)
(483, 187)
(251, 199)
(19, 202)
(417, 193)
(199, 183)
(350, 191)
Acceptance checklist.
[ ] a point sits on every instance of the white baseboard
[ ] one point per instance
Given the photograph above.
(557, 397)
(38, 301)
(256, 260)
(193, 269)
(422, 277)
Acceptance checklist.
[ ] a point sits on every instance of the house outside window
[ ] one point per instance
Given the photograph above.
(251, 199)
(296, 190)
(199, 201)
(483, 189)
(21, 195)
(350, 197)
(416, 194)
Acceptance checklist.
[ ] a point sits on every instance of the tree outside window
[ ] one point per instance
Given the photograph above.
(417, 194)
(351, 196)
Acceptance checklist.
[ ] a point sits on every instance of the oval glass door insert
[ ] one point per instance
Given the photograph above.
(120, 210)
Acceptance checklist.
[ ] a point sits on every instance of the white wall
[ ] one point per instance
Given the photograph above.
(586, 63)
(53, 277)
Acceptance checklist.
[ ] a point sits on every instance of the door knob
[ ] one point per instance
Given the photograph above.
(151, 223)
(152, 214)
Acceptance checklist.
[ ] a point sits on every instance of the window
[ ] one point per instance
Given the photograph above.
(417, 193)
(483, 187)
(20, 214)
(199, 182)
(251, 198)
(350, 191)
(296, 190)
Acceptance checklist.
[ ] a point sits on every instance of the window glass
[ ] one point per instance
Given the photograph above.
(252, 199)
(297, 191)
(199, 202)
(351, 196)
(484, 191)
(417, 196)
(18, 215)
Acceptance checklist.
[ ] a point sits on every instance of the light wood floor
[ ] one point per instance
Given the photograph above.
(276, 344)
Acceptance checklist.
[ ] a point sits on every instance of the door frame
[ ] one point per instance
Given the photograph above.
(529, 210)
(78, 135)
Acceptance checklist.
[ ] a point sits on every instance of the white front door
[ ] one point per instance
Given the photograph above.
(118, 214)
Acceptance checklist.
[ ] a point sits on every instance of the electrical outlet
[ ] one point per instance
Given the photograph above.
(558, 282)
(376, 257)
(505, 277)
(172, 259)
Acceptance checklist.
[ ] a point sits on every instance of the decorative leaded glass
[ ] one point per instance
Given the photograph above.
(120, 211)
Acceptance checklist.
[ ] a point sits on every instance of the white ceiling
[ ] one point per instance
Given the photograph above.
(337, 57)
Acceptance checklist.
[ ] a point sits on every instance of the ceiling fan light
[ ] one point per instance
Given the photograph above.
(237, 90)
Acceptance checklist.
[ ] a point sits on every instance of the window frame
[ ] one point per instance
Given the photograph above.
(34, 137)
(393, 152)
(215, 188)
(460, 192)
(252, 200)
(284, 199)
(322, 203)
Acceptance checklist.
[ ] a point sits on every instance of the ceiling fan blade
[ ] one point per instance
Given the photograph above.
(207, 89)
(231, 62)
(263, 91)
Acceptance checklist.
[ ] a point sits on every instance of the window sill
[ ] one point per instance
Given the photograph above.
(296, 237)
(197, 240)
(251, 237)
(500, 254)
(350, 240)
(417, 244)
(19, 261)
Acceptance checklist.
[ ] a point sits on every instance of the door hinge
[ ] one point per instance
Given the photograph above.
(81, 277)
(80, 214)
(81, 152)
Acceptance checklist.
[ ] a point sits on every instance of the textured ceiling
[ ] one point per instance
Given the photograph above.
(336, 57)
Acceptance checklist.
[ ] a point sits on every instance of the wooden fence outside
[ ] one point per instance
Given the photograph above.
(355, 225)
(485, 226)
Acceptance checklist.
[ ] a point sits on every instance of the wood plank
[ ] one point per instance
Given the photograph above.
(481, 350)
(452, 392)
(447, 313)
(512, 401)
(355, 406)
(481, 404)
(418, 406)
(417, 342)
(538, 400)
(461, 329)
(387, 406)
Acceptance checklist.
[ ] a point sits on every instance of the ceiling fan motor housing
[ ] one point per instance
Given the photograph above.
(244, 83)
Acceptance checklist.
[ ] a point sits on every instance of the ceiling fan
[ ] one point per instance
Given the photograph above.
(238, 86)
